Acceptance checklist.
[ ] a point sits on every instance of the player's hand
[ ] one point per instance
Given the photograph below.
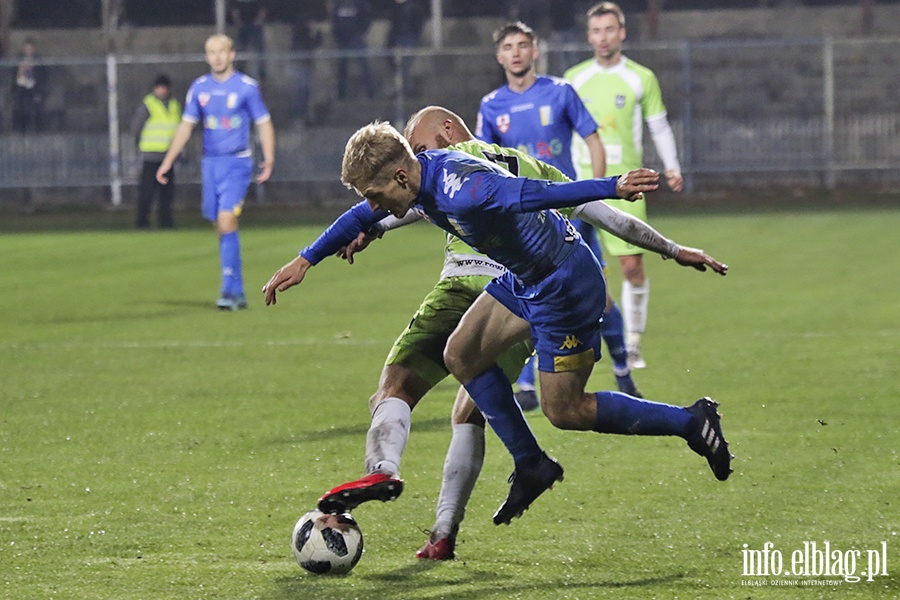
(674, 180)
(161, 173)
(633, 184)
(265, 171)
(286, 277)
(694, 257)
(361, 242)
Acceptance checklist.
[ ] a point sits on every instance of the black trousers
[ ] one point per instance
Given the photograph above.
(148, 186)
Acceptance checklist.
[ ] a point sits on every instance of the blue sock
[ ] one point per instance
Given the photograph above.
(494, 398)
(623, 414)
(613, 332)
(526, 377)
(230, 258)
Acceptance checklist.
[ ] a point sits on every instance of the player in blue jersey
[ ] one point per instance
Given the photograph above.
(537, 114)
(225, 102)
(549, 293)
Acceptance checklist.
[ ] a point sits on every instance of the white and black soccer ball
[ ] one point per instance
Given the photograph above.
(327, 543)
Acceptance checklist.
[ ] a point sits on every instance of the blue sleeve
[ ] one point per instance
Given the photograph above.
(538, 194)
(582, 120)
(255, 104)
(484, 129)
(191, 106)
(343, 231)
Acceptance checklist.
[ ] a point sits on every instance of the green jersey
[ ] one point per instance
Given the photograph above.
(459, 258)
(620, 98)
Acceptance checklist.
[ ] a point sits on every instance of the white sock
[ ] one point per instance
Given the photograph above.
(635, 299)
(465, 457)
(387, 436)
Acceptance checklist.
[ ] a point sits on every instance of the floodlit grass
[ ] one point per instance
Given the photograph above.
(153, 447)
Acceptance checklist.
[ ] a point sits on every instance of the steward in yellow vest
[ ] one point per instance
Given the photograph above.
(154, 126)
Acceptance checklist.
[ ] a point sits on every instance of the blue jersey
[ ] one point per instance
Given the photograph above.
(225, 109)
(502, 216)
(539, 121)
(505, 217)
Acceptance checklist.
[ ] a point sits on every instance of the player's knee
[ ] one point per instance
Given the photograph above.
(564, 414)
(455, 363)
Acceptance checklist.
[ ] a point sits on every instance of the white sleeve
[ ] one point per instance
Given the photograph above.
(664, 140)
(624, 226)
(392, 222)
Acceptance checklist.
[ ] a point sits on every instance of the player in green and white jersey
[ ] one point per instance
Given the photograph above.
(621, 94)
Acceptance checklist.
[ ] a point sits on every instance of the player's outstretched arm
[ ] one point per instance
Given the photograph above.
(633, 184)
(694, 257)
(361, 242)
(286, 277)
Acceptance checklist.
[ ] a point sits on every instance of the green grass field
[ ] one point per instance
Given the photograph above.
(152, 447)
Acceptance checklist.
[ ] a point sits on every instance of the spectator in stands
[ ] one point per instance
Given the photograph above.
(304, 38)
(350, 21)
(28, 90)
(249, 16)
(154, 125)
(407, 18)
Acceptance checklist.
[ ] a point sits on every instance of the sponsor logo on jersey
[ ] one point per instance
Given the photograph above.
(503, 123)
(231, 102)
(546, 115)
(521, 107)
(452, 183)
(620, 100)
(570, 342)
(225, 123)
(203, 98)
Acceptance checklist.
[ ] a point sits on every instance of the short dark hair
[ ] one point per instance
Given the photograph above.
(512, 28)
(607, 8)
(162, 80)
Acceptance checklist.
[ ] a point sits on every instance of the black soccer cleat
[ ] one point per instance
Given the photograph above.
(527, 485)
(706, 439)
(346, 497)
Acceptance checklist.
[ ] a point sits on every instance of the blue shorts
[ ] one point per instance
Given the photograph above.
(225, 183)
(564, 310)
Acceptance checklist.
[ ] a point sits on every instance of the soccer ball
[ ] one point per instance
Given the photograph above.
(327, 543)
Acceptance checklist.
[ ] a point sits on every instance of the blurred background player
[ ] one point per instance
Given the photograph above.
(538, 114)
(225, 101)
(619, 93)
(154, 125)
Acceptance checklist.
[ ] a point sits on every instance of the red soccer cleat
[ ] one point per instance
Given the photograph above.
(346, 497)
(442, 549)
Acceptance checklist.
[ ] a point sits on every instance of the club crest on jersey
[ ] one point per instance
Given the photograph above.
(231, 102)
(620, 100)
(452, 183)
(203, 98)
(546, 115)
(503, 123)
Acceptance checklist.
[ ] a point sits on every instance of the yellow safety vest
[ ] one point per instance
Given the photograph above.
(159, 129)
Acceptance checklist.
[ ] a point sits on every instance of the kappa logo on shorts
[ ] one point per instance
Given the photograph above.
(571, 342)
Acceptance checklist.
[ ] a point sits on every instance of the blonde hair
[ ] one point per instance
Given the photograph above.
(371, 155)
(219, 37)
(607, 8)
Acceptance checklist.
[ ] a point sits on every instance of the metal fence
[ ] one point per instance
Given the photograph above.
(818, 112)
